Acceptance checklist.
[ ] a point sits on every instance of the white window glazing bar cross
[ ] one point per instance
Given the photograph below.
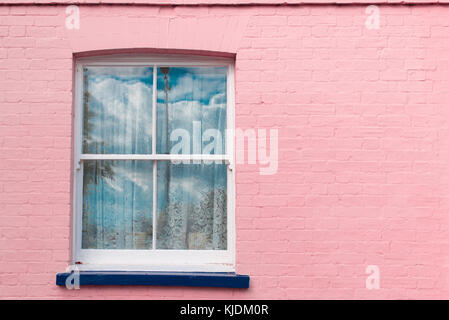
(223, 158)
(156, 157)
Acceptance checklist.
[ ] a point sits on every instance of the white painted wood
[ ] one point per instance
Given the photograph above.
(153, 139)
(153, 259)
(151, 157)
(230, 113)
(150, 60)
(78, 173)
(204, 260)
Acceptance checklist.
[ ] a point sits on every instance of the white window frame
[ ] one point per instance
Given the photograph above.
(155, 259)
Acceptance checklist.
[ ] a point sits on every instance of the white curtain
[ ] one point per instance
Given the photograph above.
(191, 197)
(117, 195)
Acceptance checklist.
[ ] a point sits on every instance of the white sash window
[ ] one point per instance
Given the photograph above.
(153, 173)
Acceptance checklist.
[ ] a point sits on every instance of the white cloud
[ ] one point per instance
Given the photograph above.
(123, 112)
(140, 178)
(193, 187)
(189, 87)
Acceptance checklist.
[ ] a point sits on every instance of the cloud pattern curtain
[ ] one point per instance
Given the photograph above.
(191, 197)
(117, 201)
(117, 195)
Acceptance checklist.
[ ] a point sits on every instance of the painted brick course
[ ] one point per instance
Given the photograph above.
(363, 125)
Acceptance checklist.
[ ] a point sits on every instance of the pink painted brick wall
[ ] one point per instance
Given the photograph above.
(363, 125)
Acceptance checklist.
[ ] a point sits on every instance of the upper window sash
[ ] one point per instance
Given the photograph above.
(157, 63)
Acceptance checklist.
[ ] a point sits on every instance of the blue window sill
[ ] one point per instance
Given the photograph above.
(143, 278)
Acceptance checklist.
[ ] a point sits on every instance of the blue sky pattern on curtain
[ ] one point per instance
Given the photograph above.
(117, 195)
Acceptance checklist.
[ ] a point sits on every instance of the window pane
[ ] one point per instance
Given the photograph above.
(191, 210)
(117, 205)
(191, 110)
(117, 110)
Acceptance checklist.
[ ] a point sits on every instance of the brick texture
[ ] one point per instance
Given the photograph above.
(363, 123)
(219, 2)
